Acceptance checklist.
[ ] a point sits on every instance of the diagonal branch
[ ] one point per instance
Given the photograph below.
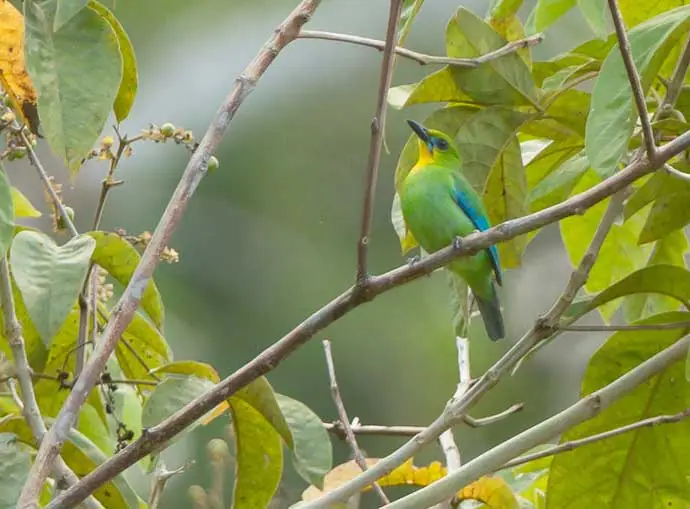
(376, 144)
(422, 58)
(13, 332)
(349, 300)
(635, 81)
(128, 303)
(345, 420)
(583, 410)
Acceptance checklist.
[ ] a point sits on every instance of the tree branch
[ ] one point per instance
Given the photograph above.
(583, 410)
(28, 404)
(635, 81)
(130, 299)
(345, 420)
(615, 328)
(574, 444)
(422, 58)
(349, 300)
(376, 143)
(675, 86)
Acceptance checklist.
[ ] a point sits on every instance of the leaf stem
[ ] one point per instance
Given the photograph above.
(632, 327)
(345, 420)
(376, 144)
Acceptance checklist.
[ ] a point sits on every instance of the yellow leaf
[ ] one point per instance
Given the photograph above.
(492, 491)
(14, 78)
(22, 205)
(215, 413)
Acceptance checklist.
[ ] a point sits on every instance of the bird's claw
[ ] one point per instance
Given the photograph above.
(412, 260)
(457, 242)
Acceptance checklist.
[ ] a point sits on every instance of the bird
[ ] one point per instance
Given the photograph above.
(439, 207)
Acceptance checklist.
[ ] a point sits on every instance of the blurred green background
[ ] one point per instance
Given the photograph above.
(271, 236)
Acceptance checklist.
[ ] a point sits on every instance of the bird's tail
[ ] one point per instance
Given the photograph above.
(490, 309)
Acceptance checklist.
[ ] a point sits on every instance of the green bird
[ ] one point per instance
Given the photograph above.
(440, 207)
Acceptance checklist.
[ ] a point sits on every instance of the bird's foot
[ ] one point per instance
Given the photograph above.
(413, 259)
(457, 242)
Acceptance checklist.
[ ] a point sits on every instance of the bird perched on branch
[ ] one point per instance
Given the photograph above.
(440, 207)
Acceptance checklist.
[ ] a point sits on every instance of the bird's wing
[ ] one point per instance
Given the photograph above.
(478, 217)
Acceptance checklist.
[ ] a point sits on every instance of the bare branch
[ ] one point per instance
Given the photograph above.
(27, 402)
(583, 410)
(574, 444)
(345, 420)
(349, 300)
(676, 173)
(615, 328)
(421, 58)
(675, 86)
(635, 81)
(161, 477)
(130, 299)
(376, 144)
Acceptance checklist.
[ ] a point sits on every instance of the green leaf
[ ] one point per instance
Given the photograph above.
(22, 205)
(569, 108)
(408, 13)
(82, 456)
(130, 80)
(35, 349)
(439, 86)
(141, 341)
(15, 463)
(49, 277)
(506, 80)
(459, 304)
(169, 396)
(504, 8)
(259, 457)
(669, 250)
(669, 280)
(596, 14)
(551, 158)
(312, 453)
(636, 11)
(505, 197)
(563, 78)
(558, 185)
(577, 233)
(546, 13)
(120, 258)
(76, 72)
(646, 467)
(6, 214)
(504, 20)
(612, 114)
(195, 368)
(66, 10)
(260, 396)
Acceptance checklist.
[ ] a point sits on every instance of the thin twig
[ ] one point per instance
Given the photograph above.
(268, 359)
(160, 478)
(675, 86)
(583, 410)
(574, 444)
(615, 328)
(685, 177)
(27, 402)
(83, 331)
(129, 301)
(345, 420)
(410, 431)
(421, 58)
(376, 144)
(635, 81)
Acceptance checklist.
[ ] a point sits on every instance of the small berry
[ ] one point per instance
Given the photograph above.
(213, 163)
(167, 129)
(107, 142)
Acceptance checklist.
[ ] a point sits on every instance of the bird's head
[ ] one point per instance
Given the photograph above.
(434, 146)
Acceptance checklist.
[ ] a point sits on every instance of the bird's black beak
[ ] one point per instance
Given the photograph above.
(422, 132)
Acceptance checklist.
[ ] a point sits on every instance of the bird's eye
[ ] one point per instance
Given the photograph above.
(441, 144)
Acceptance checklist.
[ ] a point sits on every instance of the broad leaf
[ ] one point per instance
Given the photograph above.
(260, 396)
(120, 258)
(617, 472)
(36, 351)
(503, 18)
(15, 463)
(141, 341)
(612, 114)
(130, 80)
(439, 86)
(597, 15)
(408, 13)
(459, 304)
(195, 368)
(22, 206)
(49, 277)
(6, 214)
(557, 186)
(551, 158)
(66, 10)
(312, 453)
(76, 72)
(259, 457)
(669, 250)
(669, 280)
(577, 233)
(546, 13)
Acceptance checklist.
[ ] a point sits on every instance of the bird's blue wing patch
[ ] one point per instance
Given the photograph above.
(481, 223)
